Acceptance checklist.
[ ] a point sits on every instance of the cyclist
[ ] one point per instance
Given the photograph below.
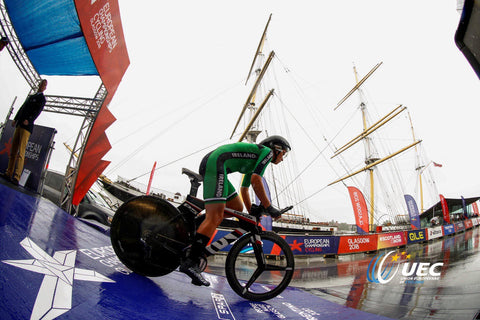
(218, 192)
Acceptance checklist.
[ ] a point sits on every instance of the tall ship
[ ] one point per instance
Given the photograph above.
(388, 189)
(283, 183)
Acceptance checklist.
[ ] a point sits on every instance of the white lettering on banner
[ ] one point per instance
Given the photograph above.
(411, 207)
(316, 243)
(358, 240)
(358, 207)
(103, 29)
(354, 244)
(394, 239)
(33, 151)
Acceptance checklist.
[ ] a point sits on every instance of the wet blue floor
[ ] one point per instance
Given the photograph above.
(53, 265)
(453, 294)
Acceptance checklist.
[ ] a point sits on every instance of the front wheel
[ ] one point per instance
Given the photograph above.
(259, 267)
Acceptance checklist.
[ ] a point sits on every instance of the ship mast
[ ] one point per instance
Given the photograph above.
(370, 153)
(259, 66)
(252, 131)
(419, 167)
(371, 157)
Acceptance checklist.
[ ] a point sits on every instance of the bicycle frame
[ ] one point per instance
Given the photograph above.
(157, 247)
(192, 206)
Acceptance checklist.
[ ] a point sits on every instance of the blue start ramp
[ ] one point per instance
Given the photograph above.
(53, 265)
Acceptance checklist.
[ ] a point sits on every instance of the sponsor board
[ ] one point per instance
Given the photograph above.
(313, 244)
(434, 233)
(220, 234)
(459, 226)
(352, 244)
(468, 224)
(416, 236)
(389, 240)
(36, 154)
(448, 229)
(268, 246)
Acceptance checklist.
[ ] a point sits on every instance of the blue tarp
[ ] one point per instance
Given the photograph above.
(57, 48)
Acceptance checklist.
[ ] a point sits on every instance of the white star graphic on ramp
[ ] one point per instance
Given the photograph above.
(55, 295)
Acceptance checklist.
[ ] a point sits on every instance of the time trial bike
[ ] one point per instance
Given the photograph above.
(151, 236)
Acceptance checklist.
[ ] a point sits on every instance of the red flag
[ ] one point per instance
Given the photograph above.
(446, 213)
(437, 164)
(151, 178)
(475, 208)
(359, 209)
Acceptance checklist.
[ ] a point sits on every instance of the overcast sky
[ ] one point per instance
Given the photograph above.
(185, 85)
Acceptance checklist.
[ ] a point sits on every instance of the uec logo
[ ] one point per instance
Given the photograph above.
(381, 270)
(384, 272)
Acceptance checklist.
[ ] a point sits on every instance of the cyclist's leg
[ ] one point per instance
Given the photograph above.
(191, 265)
(213, 218)
(214, 193)
(235, 204)
(233, 200)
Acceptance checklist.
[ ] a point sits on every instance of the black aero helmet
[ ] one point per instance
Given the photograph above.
(276, 142)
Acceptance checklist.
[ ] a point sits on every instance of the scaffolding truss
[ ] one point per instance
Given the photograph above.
(87, 108)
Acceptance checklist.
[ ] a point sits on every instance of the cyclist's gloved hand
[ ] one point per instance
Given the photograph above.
(273, 212)
(257, 210)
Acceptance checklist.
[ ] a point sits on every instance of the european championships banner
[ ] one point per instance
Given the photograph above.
(36, 154)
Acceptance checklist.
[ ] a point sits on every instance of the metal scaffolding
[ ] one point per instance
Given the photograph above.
(87, 108)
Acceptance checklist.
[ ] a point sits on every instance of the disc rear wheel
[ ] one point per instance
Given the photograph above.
(148, 235)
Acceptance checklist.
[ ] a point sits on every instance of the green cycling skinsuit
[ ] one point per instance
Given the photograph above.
(240, 157)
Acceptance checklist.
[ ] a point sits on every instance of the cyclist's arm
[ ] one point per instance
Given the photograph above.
(246, 198)
(257, 186)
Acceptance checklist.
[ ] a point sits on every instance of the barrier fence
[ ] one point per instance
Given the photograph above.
(346, 244)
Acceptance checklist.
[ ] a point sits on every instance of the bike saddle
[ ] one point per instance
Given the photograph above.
(195, 180)
(192, 175)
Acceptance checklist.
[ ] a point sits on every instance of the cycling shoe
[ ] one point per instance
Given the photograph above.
(192, 269)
